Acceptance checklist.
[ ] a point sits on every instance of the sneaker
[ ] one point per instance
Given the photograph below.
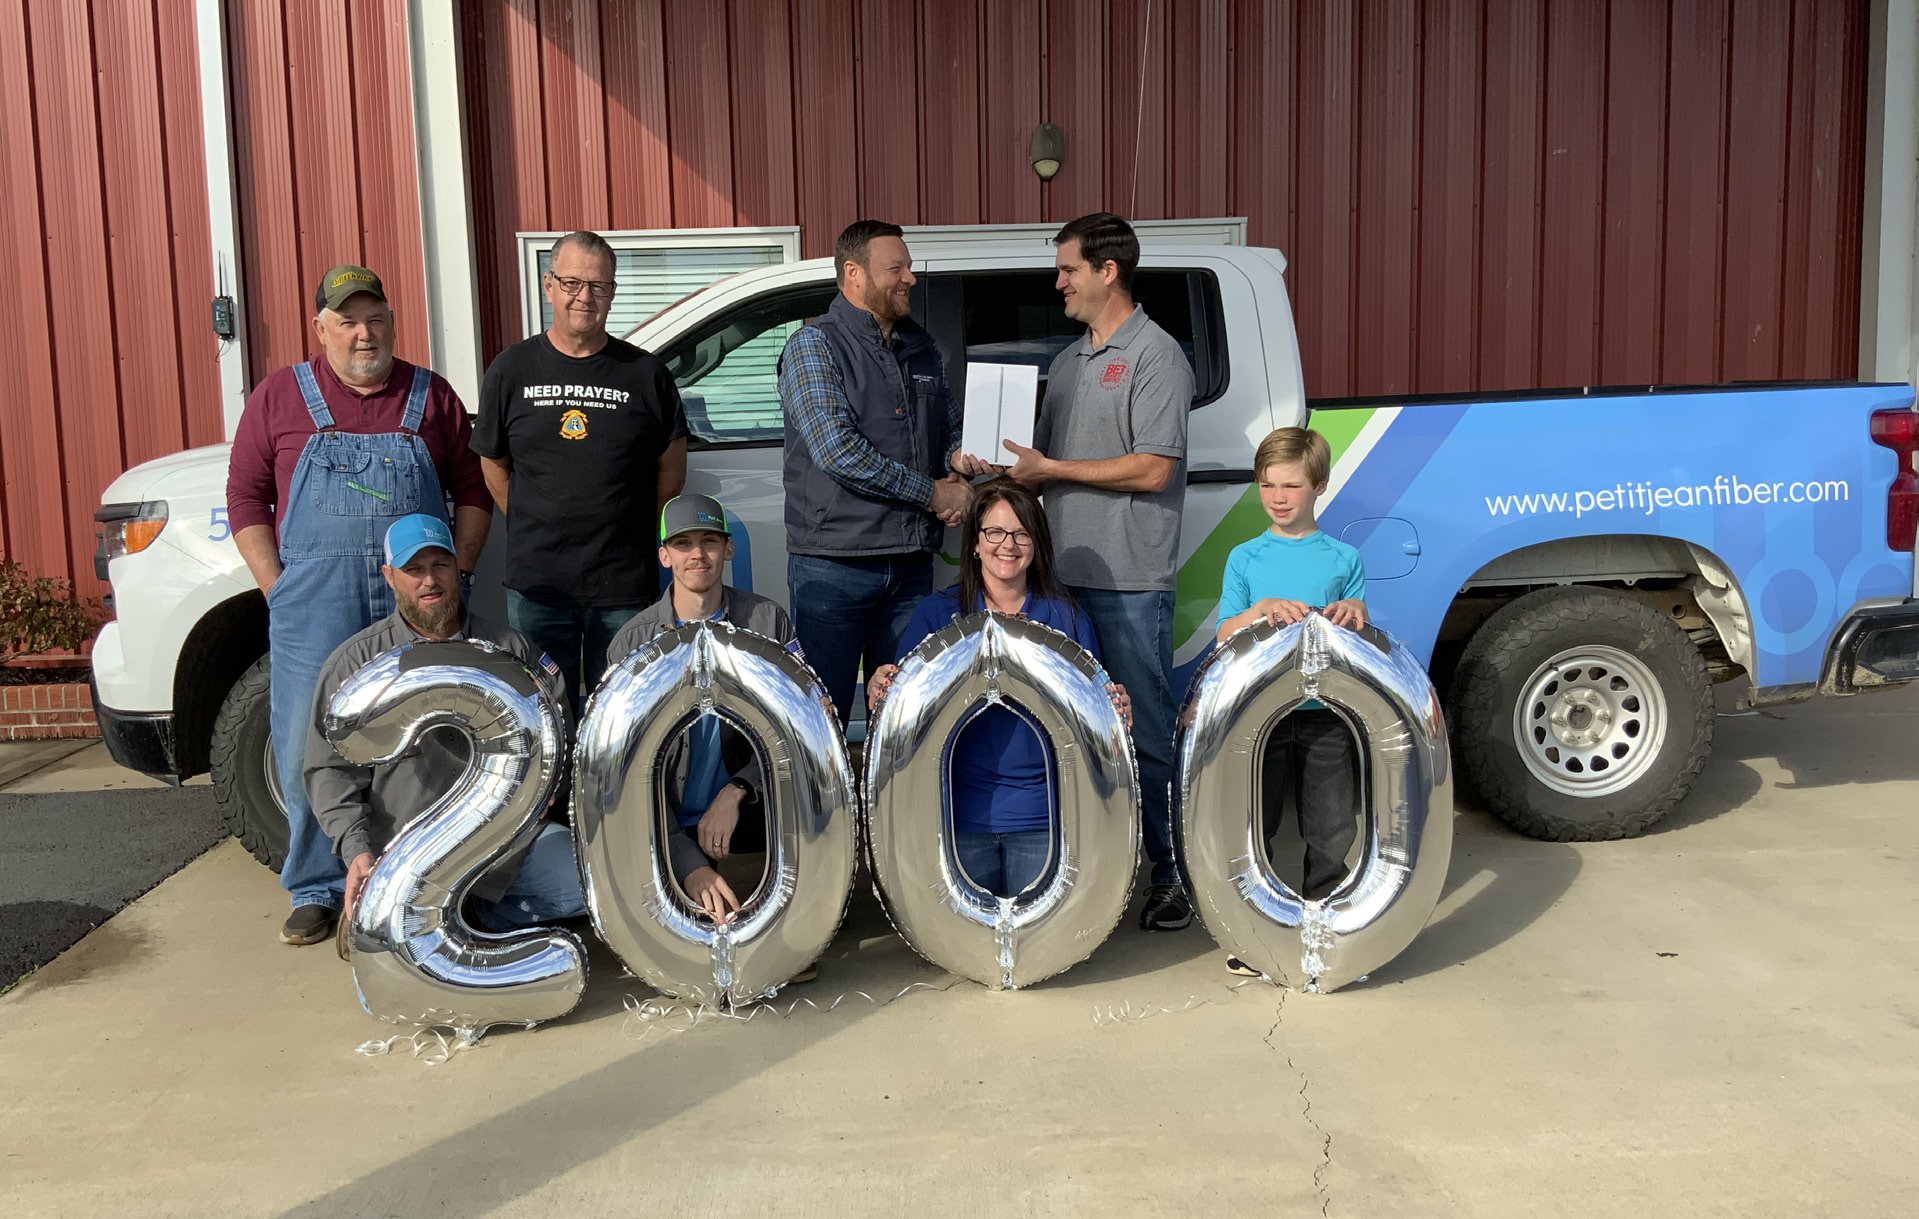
(1236, 966)
(1166, 909)
(308, 925)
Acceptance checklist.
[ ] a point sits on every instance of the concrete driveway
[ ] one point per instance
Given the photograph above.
(1720, 1018)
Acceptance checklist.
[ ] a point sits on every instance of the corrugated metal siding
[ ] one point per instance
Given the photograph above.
(1473, 194)
(323, 141)
(105, 347)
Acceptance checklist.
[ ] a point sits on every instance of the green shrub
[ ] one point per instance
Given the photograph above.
(39, 613)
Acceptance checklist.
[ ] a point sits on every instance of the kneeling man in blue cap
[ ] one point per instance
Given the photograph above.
(362, 807)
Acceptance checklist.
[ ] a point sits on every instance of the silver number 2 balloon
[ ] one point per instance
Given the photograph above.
(640, 708)
(1016, 941)
(415, 960)
(1250, 682)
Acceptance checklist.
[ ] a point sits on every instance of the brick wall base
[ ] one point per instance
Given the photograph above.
(41, 712)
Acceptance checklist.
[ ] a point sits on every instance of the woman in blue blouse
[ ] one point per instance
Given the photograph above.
(1002, 815)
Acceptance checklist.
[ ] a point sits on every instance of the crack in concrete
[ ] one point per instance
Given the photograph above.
(1306, 1110)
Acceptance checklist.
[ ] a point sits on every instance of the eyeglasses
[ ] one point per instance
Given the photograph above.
(600, 289)
(996, 536)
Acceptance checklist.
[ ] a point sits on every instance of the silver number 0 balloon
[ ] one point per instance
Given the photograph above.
(641, 706)
(1016, 941)
(1250, 682)
(415, 960)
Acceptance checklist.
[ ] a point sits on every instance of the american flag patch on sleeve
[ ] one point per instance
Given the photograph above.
(546, 662)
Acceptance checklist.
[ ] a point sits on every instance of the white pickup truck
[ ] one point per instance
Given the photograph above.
(1577, 567)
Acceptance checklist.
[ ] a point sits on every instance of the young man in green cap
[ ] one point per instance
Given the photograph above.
(714, 782)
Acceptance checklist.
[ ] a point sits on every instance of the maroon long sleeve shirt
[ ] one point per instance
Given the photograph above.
(275, 427)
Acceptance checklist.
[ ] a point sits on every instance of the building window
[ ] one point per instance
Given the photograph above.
(655, 268)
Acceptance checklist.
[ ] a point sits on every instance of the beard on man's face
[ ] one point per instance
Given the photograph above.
(369, 364)
(440, 618)
(881, 303)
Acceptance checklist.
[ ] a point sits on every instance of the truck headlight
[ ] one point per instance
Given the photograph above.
(130, 528)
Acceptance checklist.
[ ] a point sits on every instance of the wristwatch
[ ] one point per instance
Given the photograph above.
(466, 581)
(748, 795)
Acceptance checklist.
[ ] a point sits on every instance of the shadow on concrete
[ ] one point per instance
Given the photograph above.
(514, 1152)
(1726, 784)
(1131, 953)
(1827, 742)
(1512, 880)
(651, 1077)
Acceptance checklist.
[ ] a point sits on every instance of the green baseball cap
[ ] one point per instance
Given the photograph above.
(343, 281)
(685, 513)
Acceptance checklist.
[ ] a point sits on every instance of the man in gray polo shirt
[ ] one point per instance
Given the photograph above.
(1110, 452)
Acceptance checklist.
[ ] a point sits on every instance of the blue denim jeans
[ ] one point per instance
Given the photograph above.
(1136, 639)
(575, 636)
(1004, 865)
(311, 611)
(852, 610)
(547, 888)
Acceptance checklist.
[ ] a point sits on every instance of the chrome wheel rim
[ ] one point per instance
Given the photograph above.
(273, 777)
(1590, 721)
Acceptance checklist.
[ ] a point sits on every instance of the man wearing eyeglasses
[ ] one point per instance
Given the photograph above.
(583, 440)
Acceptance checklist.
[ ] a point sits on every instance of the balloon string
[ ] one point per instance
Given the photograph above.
(659, 1012)
(1104, 1017)
(417, 1043)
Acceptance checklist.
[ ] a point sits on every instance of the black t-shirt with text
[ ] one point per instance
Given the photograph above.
(585, 437)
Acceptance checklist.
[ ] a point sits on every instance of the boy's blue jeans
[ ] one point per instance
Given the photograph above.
(1136, 639)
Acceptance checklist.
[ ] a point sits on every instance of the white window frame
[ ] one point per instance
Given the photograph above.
(532, 245)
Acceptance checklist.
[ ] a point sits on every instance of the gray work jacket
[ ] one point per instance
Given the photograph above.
(361, 808)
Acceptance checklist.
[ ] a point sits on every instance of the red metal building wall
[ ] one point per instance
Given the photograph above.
(323, 146)
(106, 354)
(1473, 194)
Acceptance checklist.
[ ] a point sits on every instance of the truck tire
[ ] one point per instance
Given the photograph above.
(1581, 714)
(246, 783)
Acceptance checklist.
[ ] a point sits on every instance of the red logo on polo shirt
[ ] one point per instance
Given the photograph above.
(1114, 374)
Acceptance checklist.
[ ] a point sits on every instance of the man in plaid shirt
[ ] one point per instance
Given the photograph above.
(870, 434)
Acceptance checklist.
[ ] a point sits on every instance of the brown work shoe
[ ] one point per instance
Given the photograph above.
(308, 925)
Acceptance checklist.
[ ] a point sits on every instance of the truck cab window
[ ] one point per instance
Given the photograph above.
(727, 370)
(1015, 317)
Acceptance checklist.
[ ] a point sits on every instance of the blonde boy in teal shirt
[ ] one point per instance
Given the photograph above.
(1279, 576)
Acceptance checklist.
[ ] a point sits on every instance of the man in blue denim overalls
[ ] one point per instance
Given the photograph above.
(328, 454)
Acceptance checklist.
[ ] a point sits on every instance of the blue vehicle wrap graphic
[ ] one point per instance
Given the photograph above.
(1785, 487)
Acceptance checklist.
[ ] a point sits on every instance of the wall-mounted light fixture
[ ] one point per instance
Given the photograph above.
(1047, 150)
